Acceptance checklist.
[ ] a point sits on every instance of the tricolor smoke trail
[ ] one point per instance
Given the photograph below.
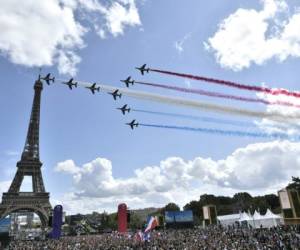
(218, 95)
(199, 118)
(278, 136)
(231, 84)
(203, 92)
(195, 104)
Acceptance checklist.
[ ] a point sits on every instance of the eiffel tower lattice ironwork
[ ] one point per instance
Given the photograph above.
(38, 200)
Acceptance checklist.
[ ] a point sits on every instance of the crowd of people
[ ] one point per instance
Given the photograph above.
(215, 237)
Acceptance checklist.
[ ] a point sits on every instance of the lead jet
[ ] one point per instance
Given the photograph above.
(143, 69)
(93, 88)
(48, 78)
(70, 83)
(115, 94)
(128, 81)
(124, 109)
(132, 124)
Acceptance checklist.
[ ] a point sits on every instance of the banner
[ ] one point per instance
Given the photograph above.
(284, 199)
(122, 218)
(57, 222)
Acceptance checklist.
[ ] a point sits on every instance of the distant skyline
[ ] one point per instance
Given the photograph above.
(91, 160)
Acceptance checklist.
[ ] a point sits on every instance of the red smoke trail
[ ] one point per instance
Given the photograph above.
(219, 95)
(232, 84)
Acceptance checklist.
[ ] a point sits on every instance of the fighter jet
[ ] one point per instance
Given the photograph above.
(48, 78)
(124, 109)
(93, 88)
(115, 94)
(70, 83)
(132, 124)
(128, 81)
(143, 69)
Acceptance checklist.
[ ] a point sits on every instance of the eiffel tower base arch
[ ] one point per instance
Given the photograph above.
(27, 202)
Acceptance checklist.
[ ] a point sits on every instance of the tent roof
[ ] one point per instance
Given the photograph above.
(270, 215)
(257, 216)
(229, 217)
(245, 217)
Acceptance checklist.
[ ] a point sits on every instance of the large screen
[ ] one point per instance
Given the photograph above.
(178, 216)
(4, 225)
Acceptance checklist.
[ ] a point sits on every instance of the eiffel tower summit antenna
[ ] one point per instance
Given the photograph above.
(30, 165)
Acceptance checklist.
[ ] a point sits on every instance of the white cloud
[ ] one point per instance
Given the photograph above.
(187, 83)
(67, 62)
(179, 45)
(111, 18)
(291, 127)
(45, 33)
(258, 168)
(120, 14)
(100, 31)
(67, 166)
(36, 33)
(250, 37)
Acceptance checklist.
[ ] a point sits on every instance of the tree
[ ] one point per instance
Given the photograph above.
(208, 199)
(260, 204)
(170, 207)
(243, 201)
(295, 184)
(135, 221)
(272, 201)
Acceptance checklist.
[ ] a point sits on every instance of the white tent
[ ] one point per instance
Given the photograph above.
(247, 218)
(270, 219)
(230, 219)
(257, 218)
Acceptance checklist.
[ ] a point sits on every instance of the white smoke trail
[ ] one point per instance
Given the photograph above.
(194, 104)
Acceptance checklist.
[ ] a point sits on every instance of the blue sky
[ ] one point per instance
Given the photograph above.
(102, 41)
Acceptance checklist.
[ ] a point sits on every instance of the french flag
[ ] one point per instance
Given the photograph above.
(152, 223)
(139, 236)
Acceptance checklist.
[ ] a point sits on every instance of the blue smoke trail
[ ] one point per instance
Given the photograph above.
(199, 118)
(278, 136)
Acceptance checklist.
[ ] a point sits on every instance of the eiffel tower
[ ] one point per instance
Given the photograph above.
(38, 200)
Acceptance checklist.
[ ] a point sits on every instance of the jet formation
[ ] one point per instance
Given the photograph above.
(115, 94)
(48, 78)
(70, 83)
(143, 69)
(132, 124)
(124, 109)
(93, 88)
(128, 81)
